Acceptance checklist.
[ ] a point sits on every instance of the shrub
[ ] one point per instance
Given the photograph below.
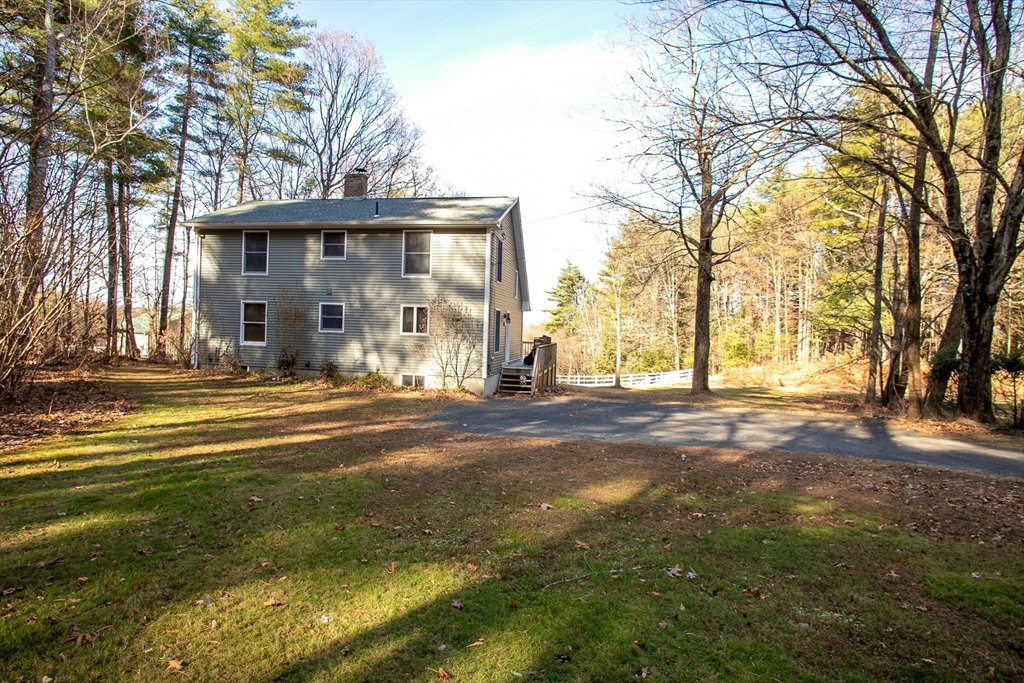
(373, 380)
(288, 360)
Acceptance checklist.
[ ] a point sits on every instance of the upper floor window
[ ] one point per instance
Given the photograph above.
(416, 253)
(254, 323)
(255, 246)
(415, 320)
(501, 259)
(332, 244)
(332, 317)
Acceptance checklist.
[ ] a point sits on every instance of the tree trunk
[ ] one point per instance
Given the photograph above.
(618, 338)
(912, 334)
(184, 293)
(949, 344)
(702, 314)
(40, 134)
(974, 391)
(108, 191)
(875, 339)
(172, 223)
(126, 267)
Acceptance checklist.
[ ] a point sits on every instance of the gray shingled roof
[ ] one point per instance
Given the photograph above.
(420, 210)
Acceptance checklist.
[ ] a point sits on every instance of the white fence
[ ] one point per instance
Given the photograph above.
(647, 379)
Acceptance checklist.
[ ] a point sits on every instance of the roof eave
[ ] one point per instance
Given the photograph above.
(337, 224)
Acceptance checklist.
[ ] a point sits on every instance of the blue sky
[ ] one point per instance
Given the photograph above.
(509, 97)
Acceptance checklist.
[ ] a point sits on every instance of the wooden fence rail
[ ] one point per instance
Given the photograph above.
(647, 379)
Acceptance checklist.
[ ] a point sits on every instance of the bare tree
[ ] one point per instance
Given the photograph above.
(354, 118)
(701, 145)
(290, 314)
(453, 337)
(931, 66)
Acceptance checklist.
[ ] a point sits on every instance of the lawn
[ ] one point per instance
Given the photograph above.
(242, 530)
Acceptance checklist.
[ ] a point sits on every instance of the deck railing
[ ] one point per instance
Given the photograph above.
(545, 367)
(646, 379)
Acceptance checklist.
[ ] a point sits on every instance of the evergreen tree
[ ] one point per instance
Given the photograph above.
(260, 77)
(567, 296)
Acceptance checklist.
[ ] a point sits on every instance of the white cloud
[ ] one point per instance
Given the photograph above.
(526, 121)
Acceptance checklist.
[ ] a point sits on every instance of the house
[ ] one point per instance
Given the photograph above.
(350, 281)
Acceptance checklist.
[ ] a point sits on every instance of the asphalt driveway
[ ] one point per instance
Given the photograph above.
(637, 421)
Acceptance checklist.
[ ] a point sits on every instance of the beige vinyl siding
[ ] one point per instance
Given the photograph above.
(502, 296)
(369, 282)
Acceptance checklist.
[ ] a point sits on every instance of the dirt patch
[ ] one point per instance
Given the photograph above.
(59, 402)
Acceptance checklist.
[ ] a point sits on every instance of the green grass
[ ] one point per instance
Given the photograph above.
(258, 531)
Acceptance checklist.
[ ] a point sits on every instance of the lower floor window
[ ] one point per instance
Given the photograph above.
(254, 322)
(415, 320)
(332, 317)
(415, 381)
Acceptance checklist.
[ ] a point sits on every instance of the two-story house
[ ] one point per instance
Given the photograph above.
(350, 281)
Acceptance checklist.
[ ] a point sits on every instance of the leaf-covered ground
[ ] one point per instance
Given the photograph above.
(237, 530)
(58, 402)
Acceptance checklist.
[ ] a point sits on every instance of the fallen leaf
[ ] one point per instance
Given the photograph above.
(476, 644)
(546, 506)
(324, 619)
(175, 665)
(273, 602)
(457, 604)
(691, 574)
(391, 567)
(752, 592)
(12, 590)
(472, 566)
(582, 546)
(663, 625)
(82, 580)
(443, 674)
(922, 609)
(256, 499)
(204, 602)
(675, 572)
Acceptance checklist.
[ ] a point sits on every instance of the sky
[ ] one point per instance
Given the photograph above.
(509, 97)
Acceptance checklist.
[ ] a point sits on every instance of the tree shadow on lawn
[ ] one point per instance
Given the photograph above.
(324, 506)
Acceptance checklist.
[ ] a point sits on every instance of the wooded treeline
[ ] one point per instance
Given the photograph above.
(900, 239)
(119, 119)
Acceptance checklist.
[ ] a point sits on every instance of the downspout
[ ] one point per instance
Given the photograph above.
(486, 356)
(195, 305)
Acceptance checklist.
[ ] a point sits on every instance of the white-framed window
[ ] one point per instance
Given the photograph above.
(416, 253)
(255, 252)
(254, 324)
(414, 381)
(415, 320)
(332, 317)
(333, 245)
(496, 344)
(517, 293)
(501, 259)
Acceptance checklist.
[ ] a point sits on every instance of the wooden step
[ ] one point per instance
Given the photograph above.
(514, 381)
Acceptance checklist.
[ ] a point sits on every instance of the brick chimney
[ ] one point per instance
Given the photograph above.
(356, 182)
